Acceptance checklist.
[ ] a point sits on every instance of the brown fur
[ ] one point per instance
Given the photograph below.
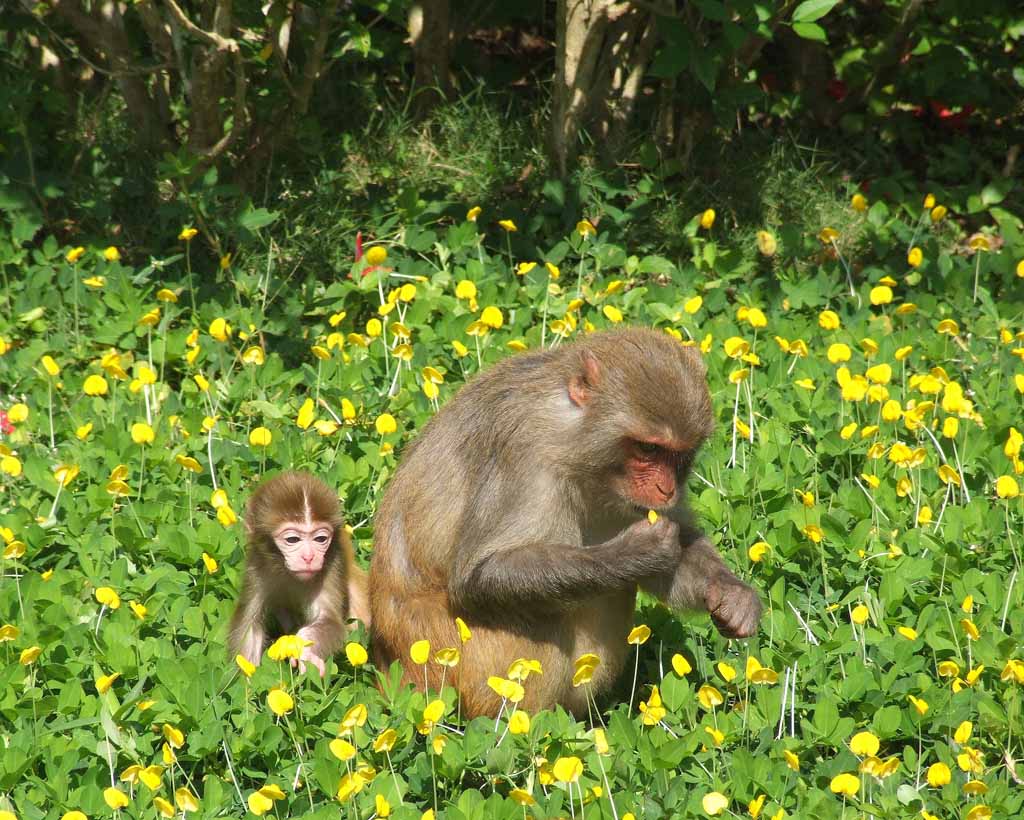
(513, 511)
(319, 608)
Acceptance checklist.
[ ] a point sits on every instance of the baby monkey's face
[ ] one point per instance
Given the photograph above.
(303, 545)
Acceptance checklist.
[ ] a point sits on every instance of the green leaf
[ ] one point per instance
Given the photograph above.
(810, 31)
(811, 10)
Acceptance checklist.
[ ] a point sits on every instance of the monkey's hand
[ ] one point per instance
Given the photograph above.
(657, 544)
(734, 607)
(308, 655)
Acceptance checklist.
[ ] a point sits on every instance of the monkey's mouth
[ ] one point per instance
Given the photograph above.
(305, 574)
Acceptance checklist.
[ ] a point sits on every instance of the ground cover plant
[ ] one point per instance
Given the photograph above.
(865, 476)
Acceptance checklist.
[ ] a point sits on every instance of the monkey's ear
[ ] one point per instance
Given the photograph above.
(583, 383)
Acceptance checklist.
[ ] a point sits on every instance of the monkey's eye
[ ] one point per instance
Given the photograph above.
(647, 448)
(292, 540)
(322, 539)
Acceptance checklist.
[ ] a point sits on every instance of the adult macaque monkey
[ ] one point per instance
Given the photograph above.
(523, 509)
(298, 569)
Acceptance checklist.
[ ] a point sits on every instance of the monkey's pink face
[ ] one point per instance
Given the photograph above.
(652, 473)
(303, 545)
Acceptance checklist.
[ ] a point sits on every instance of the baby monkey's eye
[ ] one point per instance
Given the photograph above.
(647, 448)
(292, 539)
(322, 539)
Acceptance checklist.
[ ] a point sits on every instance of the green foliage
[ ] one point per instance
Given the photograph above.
(346, 345)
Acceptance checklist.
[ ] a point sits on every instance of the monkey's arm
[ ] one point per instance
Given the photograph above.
(247, 632)
(327, 628)
(701, 580)
(539, 574)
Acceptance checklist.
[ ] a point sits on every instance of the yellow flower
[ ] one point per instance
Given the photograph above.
(881, 295)
(465, 289)
(385, 741)
(879, 374)
(963, 732)
(492, 317)
(553, 270)
(915, 257)
(342, 749)
(17, 413)
(473, 213)
(714, 803)
(1007, 487)
(860, 614)
(814, 533)
(938, 213)
(908, 632)
(938, 775)
(761, 675)
(30, 656)
(639, 634)
(755, 806)
(112, 254)
(142, 433)
(838, 353)
(306, 415)
(108, 598)
(376, 255)
(519, 722)
(845, 784)
(758, 550)
(260, 437)
(420, 652)
(95, 385)
(920, 705)
(185, 800)
(244, 664)
(693, 304)
(115, 798)
(864, 744)
(948, 669)
(220, 329)
(385, 424)
(524, 268)
(166, 295)
(735, 347)
(766, 243)
(104, 682)
(95, 281)
(10, 465)
(859, 203)
(707, 219)
(280, 702)
(979, 812)
(187, 234)
(828, 235)
(567, 769)
(522, 797)
(188, 463)
(727, 672)
(434, 711)
(288, 647)
(709, 697)
(164, 807)
(829, 320)
(969, 629)
(791, 760)
(75, 254)
(924, 516)
(210, 563)
(9, 632)
(50, 366)
(173, 735)
(948, 327)
(464, 633)
(508, 225)
(585, 228)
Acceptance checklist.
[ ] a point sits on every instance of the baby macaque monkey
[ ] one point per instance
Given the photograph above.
(298, 569)
(522, 508)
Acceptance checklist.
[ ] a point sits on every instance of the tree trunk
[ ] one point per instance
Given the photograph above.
(430, 32)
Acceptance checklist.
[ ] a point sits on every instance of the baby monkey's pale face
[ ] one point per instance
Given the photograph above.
(303, 545)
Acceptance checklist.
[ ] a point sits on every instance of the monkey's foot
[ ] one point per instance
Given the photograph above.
(734, 607)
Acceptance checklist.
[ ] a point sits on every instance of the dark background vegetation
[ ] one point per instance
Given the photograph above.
(123, 122)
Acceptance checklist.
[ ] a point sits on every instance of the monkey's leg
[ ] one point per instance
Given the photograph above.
(703, 581)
